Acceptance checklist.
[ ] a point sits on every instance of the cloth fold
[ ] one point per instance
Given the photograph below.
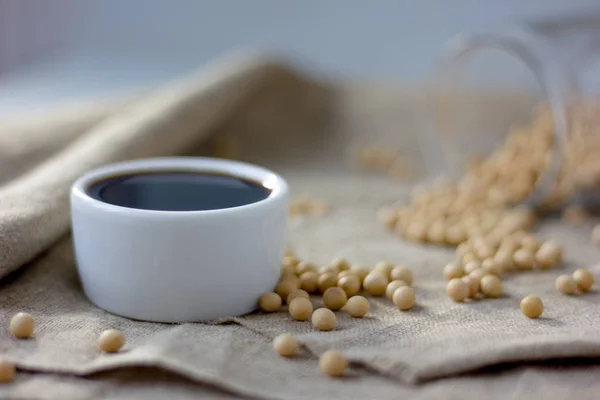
(173, 120)
(302, 128)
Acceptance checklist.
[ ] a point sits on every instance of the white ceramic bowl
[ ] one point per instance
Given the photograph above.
(176, 266)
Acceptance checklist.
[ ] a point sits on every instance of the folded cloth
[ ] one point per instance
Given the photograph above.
(40, 158)
(302, 129)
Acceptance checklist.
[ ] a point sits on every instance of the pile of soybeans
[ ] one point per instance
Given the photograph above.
(480, 215)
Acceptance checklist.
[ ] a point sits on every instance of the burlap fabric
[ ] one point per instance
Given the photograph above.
(303, 130)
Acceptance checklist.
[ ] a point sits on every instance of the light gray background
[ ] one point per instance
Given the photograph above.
(82, 48)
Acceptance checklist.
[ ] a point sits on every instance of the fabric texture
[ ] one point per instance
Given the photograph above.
(305, 130)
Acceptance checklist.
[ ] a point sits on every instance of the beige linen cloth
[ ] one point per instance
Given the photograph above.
(305, 130)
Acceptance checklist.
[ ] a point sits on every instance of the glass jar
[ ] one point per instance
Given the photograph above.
(519, 108)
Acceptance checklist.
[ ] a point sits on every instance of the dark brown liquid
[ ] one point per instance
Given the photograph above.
(177, 191)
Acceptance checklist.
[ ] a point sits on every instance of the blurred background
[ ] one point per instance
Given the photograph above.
(62, 50)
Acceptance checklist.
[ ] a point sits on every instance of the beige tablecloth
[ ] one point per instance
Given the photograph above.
(305, 130)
